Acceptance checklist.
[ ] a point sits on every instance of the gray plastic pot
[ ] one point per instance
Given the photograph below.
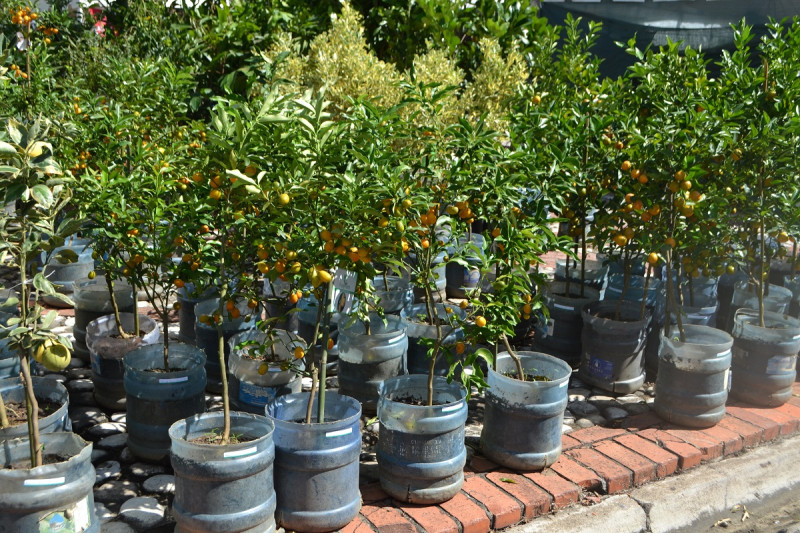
(207, 338)
(251, 390)
(365, 361)
(764, 363)
(421, 452)
(156, 399)
(523, 419)
(186, 316)
(316, 465)
(394, 299)
(92, 301)
(462, 280)
(107, 353)
(560, 334)
(613, 350)
(793, 284)
(777, 300)
(595, 274)
(693, 376)
(223, 488)
(417, 361)
(51, 390)
(52, 497)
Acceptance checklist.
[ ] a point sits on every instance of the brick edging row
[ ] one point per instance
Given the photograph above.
(594, 461)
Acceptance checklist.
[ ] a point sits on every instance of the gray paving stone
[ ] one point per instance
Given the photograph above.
(615, 413)
(582, 409)
(116, 492)
(80, 385)
(630, 398)
(107, 471)
(106, 429)
(160, 484)
(146, 470)
(113, 442)
(142, 512)
(103, 514)
(83, 417)
(98, 455)
(584, 423)
(117, 527)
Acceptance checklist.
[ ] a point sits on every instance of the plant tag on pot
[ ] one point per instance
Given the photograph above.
(781, 364)
(600, 367)
(340, 433)
(240, 453)
(44, 482)
(174, 380)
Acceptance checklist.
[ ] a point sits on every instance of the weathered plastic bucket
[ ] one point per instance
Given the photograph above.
(595, 274)
(107, 353)
(12, 390)
(249, 389)
(92, 301)
(764, 359)
(693, 376)
(417, 361)
(462, 280)
(223, 488)
(156, 400)
(793, 284)
(62, 275)
(52, 497)
(207, 339)
(523, 419)
(316, 465)
(613, 350)
(725, 298)
(778, 271)
(745, 296)
(655, 301)
(275, 294)
(186, 316)
(394, 299)
(421, 452)
(365, 361)
(9, 360)
(560, 334)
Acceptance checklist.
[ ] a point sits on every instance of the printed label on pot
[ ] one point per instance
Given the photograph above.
(95, 361)
(551, 324)
(74, 519)
(174, 380)
(564, 307)
(340, 433)
(240, 453)
(44, 482)
(600, 367)
(254, 395)
(726, 379)
(454, 407)
(781, 364)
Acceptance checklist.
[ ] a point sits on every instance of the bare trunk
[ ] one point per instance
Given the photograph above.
(115, 307)
(32, 410)
(515, 357)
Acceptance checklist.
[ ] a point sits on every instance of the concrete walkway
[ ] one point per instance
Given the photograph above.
(648, 476)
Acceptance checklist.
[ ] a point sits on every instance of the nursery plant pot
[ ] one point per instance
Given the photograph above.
(421, 452)
(693, 376)
(53, 497)
(725, 288)
(764, 358)
(63, 274)
(186, 316)
(251, 390)
(12, 390)
(744, 296)
(92, 301)
(365, 361)
(596, 273)
(417, 361)
(438, 278)
(462, 280)
(793, 284)
(560, 334)
(276, 305)
(613, 346)
(107, 352)
(523, 419)
(223, 488)
(655, 301)
(156, 399)
(207, 338)
(316, 465)
(393, 294)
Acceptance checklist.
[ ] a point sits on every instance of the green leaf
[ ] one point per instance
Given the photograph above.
(507, 480)
(47, 321)
(42, 284)
(62, 298)
(7, 149)
(43, 195)
(6, 169)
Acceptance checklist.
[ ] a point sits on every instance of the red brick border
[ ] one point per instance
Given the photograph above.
(594, 460)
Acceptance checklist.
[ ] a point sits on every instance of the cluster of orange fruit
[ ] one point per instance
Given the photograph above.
(23, 15)
(18, 72)
(333, 242)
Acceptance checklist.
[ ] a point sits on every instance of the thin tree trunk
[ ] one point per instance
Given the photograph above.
(115, 307)
(515, 357)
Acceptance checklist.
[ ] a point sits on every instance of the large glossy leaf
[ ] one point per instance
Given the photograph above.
(43, 195)
(7, 149)
(42, 284)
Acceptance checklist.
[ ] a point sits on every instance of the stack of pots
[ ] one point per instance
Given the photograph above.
(92, 301)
